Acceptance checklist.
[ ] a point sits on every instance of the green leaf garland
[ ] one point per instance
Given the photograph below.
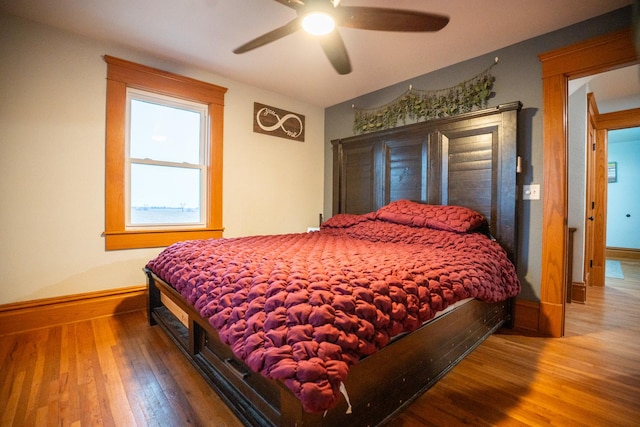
(418, 105)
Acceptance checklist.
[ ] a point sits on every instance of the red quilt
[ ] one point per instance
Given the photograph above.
(302, 308)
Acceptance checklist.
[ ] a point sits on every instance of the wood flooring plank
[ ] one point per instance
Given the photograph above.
(171, 373)
(48, 393)
(145, 387)
(192, 389)
(116, 403)
(130, 370)
(10, 403)
(33, 361)
(69, 392)
(90, 392)
(8, 378)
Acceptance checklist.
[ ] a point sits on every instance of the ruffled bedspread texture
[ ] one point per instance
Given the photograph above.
(302, 308)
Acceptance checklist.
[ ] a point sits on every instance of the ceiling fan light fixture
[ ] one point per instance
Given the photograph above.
(318, 23)
(321, 17)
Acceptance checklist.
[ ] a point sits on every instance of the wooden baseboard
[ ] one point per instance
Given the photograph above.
(622, 253)
(578, 292)
(527, 317)
(36, 314)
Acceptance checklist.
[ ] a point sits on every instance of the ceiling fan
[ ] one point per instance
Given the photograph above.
(312, 13)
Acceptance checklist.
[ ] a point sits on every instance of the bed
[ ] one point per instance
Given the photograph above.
(312, 328)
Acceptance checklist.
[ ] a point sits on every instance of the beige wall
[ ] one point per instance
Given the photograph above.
(52, 87)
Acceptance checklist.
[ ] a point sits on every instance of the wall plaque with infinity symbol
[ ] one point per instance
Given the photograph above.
(277, 122)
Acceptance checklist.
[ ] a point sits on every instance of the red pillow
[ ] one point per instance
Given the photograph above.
(347, 220)
(440, 217)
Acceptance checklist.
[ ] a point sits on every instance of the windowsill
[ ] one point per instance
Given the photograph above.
(134, 239)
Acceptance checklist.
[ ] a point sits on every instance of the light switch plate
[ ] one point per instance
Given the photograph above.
(531, 192)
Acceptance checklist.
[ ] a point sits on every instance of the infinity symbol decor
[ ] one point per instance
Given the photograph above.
(274, 121)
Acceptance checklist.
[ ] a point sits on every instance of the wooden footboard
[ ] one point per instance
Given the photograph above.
(408, 366)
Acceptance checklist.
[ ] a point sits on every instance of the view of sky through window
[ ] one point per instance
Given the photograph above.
(165, 153)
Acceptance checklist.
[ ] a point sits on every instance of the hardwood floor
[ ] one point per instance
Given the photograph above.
(111, 371)
(118, 371)
(590, 377)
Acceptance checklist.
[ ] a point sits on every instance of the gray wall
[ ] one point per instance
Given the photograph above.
(518, 78)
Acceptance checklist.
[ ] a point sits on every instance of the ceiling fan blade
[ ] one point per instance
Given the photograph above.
(269, 37)
(294, 4)
(375, 18)
(336, 51)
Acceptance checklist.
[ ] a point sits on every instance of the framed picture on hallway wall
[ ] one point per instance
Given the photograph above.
(612, 172)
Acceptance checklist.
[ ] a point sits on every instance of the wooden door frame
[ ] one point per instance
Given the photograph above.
(596, 229)
(593, 56)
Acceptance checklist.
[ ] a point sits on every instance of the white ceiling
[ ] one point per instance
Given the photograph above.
(203, 33)
(614, 90)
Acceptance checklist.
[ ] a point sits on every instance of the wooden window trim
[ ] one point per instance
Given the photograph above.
(121, 75)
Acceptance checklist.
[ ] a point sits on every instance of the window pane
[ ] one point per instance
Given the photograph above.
(164, 195)
(164, 133)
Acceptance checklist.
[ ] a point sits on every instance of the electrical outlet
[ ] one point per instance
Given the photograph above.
(531, 192)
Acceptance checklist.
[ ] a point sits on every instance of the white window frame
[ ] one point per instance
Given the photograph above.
(202, 110)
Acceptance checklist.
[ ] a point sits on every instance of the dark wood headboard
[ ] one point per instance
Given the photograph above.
(467, 160)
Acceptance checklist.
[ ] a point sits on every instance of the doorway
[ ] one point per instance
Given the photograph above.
(595, 187)
(613, 99)
(592, 56)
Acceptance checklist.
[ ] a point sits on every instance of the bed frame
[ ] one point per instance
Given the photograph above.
(468, 160)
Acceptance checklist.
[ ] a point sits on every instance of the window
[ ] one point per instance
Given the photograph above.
(163, 157)
(165, 161)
